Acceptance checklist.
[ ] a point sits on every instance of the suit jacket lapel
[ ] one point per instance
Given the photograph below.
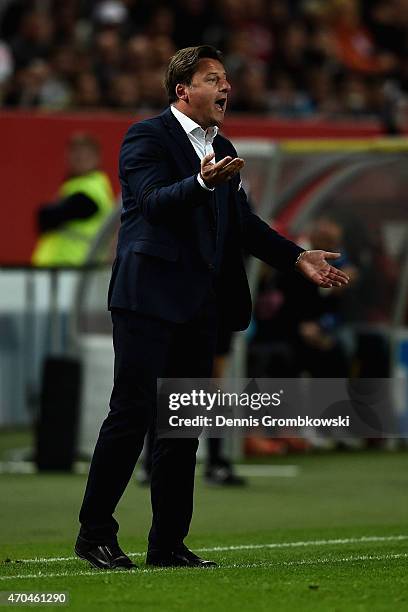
(181, 140)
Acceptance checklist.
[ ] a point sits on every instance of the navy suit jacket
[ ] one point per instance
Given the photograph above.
(177, 239)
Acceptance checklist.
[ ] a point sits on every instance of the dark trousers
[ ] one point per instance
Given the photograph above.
(147, 349)
(214, 448)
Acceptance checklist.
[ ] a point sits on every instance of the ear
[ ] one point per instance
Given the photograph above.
(181, 92)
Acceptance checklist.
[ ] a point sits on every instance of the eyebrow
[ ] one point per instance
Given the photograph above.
(216, 73)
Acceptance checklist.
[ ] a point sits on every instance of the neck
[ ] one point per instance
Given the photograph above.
(186, 110)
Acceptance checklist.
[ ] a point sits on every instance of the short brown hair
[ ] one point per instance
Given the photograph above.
(183, 65)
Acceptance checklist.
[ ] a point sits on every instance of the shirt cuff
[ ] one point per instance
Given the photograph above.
(203, 185)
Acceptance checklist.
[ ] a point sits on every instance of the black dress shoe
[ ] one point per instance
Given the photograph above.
(223, 476)
(182, 557)
(103, 556)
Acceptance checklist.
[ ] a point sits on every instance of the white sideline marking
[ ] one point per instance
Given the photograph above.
(362, 539)
(82, 467)
(286, 471)
(321, 560)
(17, 467)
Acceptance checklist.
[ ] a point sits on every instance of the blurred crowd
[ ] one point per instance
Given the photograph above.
(286, 58)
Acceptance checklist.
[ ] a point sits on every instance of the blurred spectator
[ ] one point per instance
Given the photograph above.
(124, 93)
(138, 54)
(68, 226)
(339, 58)
(354, 44)
(162, 23)
(251, 93)
(108, 56)
(321, 88)
(292, 55)
(229, 17)
(34, 38)
(57, 89)
(287, 101)
(354, 95)
(152, 91)
(67, 24)
(239, 55)
(87, 92)
(27, 87)
(302, 324)
(162, 48)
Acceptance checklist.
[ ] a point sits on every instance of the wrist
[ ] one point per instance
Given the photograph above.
(299, 258)
(206, 183)
(203, 183)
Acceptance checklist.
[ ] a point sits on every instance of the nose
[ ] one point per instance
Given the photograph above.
(225, 87)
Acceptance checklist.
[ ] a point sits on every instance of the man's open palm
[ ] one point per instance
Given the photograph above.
(313, 266)
(220, 172)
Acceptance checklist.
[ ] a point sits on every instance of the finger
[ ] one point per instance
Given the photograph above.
(231, 169)
(339, 275)
(222, 163)
(329, 255)
(237, 161)
(207, 158)
(230, 165)
(235, 164)
(335, 277)
(325, 283)
(339, 279)
(322, 280)
(327, 269)
(337, 272)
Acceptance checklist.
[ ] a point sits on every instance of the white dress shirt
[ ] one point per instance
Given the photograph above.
(200, 139)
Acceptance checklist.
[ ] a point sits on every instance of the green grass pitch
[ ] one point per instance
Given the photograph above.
(333, 538)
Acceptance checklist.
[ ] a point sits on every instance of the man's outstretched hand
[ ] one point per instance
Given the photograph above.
(313, 265)
(214, 174)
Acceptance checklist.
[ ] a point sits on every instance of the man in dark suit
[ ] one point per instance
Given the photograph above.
(178, 271)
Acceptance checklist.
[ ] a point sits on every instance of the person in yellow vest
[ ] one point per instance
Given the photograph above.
(68, 226)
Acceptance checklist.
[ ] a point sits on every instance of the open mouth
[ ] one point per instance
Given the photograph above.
(220, 104)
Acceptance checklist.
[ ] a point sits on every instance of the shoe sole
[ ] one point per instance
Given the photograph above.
(101, 567)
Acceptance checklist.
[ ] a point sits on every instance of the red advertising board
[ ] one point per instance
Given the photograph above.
(32, 160)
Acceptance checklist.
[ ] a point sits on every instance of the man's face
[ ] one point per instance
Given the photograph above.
(206, 96)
